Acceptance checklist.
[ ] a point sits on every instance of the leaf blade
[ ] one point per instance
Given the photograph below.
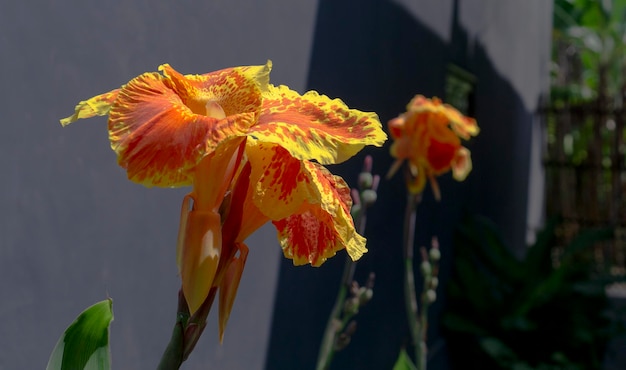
(85, 342)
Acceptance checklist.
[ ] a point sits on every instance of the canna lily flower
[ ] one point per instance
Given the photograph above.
(252, 153)
(428, 135)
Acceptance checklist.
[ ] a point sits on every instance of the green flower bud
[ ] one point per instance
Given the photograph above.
(365, 295)
(365, 180)
(435, 254)
(431, 296)
(434, 282)
(426, 268)
(368, 197)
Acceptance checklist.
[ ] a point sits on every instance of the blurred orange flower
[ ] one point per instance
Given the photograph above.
(247, 148)
(428, 135)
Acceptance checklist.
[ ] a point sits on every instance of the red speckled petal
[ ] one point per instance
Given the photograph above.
(319, 230)
(236, 90)
(313, 126)
(157, 137)
(463, 126)
(309, 205)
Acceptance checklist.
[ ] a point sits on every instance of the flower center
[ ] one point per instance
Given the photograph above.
(215, 110)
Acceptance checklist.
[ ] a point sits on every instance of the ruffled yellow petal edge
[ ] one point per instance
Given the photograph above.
(463, 126)
(320, 229)
(315, 127)
(99, 105)
(309, 206)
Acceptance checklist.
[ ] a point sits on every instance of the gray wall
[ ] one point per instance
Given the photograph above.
(73, 229)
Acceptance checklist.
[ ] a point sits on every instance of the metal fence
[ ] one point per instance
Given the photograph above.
(586, 176)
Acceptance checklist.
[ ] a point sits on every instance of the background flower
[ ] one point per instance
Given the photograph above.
(428, 135)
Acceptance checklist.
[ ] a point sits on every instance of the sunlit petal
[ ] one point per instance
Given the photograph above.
(185, 209)
(229, 286)
(214, 174)
(158, 139)
(310, 206)
(463, 126)
(280, 181)
(313, 126)
(97, 106)
(200, 256)
(312, 236)
(237, 90)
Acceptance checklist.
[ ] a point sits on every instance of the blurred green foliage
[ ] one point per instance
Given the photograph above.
(588, 49)
(504, 312)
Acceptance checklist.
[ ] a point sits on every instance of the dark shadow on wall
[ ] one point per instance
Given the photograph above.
(376, 57)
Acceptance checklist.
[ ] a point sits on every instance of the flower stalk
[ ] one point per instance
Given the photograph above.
(410, 297)
(417, 316)
(340, 328)
(186, 333)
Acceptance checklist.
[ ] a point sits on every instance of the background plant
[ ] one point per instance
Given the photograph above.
(510, 313)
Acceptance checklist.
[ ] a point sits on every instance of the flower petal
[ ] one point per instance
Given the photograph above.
(157, 137)
(313, 235)
(236, 90)
(440, 156)
(200, 256)
(463, 126)
(242, 216)
(229, 286)
(462, 164)
(310, 206)
(215, 172)
(97, 106)
(312, 126)
(417, 181)
(279, 181)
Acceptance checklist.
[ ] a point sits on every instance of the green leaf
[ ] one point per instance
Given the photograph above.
(587, 239)
(539, 256)
(499, 351)
(85, 343)
(404, 362)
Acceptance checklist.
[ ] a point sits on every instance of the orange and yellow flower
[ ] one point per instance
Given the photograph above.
(428, 135)
(252, 152)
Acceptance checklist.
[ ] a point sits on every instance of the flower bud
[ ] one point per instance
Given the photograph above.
(368, 197)
(434, 282)
(431, 296)
(351, 307)
(435, 254)
(366, 180)
(426, 268)
(365, 295)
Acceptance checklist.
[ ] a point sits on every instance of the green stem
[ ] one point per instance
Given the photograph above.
(173, 356)
(335, 323)
(410, 298)
(186, 333)
(424, 320)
